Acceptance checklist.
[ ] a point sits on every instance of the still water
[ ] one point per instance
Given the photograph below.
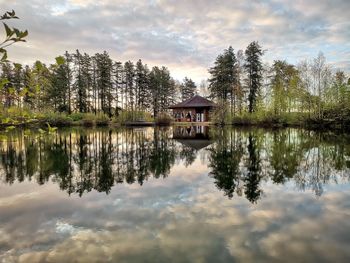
(178, 194)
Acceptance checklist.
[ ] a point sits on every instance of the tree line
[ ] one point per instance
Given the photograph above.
(78, 82)
(240, 82)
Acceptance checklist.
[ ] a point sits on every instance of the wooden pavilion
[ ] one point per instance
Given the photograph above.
(195, 109)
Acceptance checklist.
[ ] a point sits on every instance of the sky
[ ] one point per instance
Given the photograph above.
(185, 36)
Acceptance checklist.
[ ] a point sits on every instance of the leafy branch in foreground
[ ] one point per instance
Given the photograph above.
(13, 35)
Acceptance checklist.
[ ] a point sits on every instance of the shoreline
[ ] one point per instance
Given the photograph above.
(309, 125)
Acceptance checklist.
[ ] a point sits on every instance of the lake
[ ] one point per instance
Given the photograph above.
(176, 194)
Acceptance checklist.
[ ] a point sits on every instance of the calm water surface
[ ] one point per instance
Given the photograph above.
(180, 194)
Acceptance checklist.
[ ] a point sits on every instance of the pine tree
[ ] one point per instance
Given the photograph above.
(104, 81)
(18, 83)
(129, 84)
(7, 91)
(224, 78)
(82, 64)
(238, 90)
(28, 96)
(95, 92)
(162, 88)
(142, 86)
(118, 85)
(155, 87)
(253, 66)
(68, 83)
(60, 94)
(57, 95)
(188, 89)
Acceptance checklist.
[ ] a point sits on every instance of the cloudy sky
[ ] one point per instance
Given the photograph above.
(183, 35)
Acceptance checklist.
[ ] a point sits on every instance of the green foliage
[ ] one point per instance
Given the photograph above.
(91, 90)
(246, 118)
(269, 118)
(13, 35)
(86, 84)
(163, 119)
(133, 116)
(188, 89)
(77, 116)
(221, 114)
(27, 133)
(15, 115)
(224, 77)
(88, 119)
(9, 128)
(41, 131)
(142, 86)
(55, 118)
(51, 129)
(162, 88)
(253, 66)
(3, 82)
(284, 86)
(60, 60)
(101, 119)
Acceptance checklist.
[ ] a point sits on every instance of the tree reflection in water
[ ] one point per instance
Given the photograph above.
(239, 160)
(80, 161)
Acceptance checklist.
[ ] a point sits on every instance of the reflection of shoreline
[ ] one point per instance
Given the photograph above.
(195, 137)
(81, 161)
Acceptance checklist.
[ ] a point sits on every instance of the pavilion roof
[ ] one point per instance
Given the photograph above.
(194, 102)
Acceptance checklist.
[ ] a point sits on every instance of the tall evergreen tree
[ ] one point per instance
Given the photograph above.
(7, 91)
(18, 83)
(118, 84)
(57, 95)
(162, 88)
(253, 66)
(224, 77)
(188, 88)
(104, 82)
(28, 96)
(129, 84)
(142, 86)
(238, 89)
(69, 76)
(82, 66)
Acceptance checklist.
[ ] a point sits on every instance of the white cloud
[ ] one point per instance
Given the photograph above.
(182, 34)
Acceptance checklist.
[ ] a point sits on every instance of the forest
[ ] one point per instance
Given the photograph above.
(251, 91)
(95, 89)
(79, 83)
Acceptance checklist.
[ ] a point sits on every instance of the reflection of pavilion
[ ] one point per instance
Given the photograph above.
(196, 137)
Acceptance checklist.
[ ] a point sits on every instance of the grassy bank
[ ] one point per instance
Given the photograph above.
(292, 119)
(25, 118)
(15, 117)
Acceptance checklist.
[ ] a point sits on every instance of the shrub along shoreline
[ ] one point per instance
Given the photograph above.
(328, 119)
(53, 119)
(15, 118)
(310, 123)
